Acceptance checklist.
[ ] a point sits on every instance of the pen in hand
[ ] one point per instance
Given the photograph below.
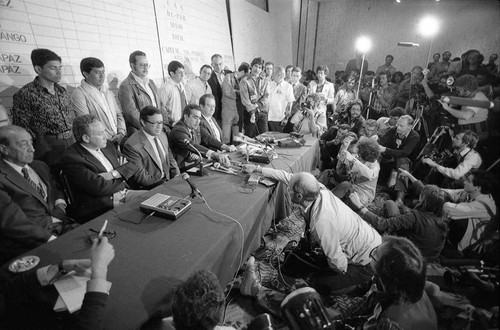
(103, 229)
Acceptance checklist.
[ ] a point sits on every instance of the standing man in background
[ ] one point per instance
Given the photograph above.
(215, 83)
(199, 86)
(42, 108)
(255, 97)
(92, 97)
(280, 100)
(172, 93)
(137, 91)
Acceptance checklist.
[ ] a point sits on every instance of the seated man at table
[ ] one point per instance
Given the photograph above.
(210, 132)
(345, 239)
(398, 147)
(16, 292)
(149, 148)
(93, 171)
(185, 139)
(32, 210)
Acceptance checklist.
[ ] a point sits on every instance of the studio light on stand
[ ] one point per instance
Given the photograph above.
(428, 28)
(363, 45)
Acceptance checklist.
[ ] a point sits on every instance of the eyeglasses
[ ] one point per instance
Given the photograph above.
(144, 65)
(372, 253)
(157, 123)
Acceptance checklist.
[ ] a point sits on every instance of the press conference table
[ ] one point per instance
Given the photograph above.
(155, 255)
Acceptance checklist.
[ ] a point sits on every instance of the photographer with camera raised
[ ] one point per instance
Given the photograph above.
(311, 119)
(469, 118)
(465, 160)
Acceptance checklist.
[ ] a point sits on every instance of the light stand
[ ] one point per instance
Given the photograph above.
(363, 44)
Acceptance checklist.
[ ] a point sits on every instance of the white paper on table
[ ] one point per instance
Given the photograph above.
(72, 289)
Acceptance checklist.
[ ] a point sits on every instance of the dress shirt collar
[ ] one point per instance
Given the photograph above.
(464, 152)
(209, 119)
(404, 136)
(91, 86)
(90, 149)
(150, 137)
(16, 167)
(141, 81)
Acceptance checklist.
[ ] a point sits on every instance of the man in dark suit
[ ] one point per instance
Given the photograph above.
(32, 210)
(215, 83)
(398, 148)
(210, 131)
(94, 173)
(149, 148)
(187, 130)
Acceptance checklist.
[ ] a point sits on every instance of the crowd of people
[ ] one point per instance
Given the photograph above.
(68, 158)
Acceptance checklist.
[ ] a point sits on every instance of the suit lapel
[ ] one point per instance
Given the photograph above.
(91, 159)
(164, 140)
(149, 149)
(17, 179)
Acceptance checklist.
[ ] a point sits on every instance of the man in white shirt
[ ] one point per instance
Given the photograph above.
(92, 97)
(172, 93)
(387, 66)
(280, 100)
(345, 238)
(137, 91)
(199, 86)
(32, 210)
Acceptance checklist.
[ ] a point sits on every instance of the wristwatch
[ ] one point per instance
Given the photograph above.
(114, 174)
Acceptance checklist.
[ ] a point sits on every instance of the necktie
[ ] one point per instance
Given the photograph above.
(183, 96)
(37, 187)
(160, 152)
(206, 87)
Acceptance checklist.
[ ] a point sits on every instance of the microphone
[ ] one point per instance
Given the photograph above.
(469, 102)
(194, 190)
(189, 144)
(407, 44)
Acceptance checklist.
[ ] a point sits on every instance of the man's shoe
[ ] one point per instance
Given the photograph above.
(250, 285)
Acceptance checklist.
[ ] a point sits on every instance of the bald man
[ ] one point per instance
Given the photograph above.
(344, 237)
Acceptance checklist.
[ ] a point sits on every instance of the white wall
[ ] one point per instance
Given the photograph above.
(464, 25)
(259, 33)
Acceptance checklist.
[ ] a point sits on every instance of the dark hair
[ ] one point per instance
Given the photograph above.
(323, 68)
(402, 270)
(289, 66)
(467, 82)
(81, 125)
(397, 112)
(88, 63)
(198, 302)
(147, 111)
(188, 108)
(485, 180)
(40, 57)
(470, 138)
(173, 66)
(344, 127)
(368, 149)
(244, 66)
(432, 200)
(214, 56)
(390, 56)
(269, 63)
(204, 97)
(257, 60)
(203, 67)
(132, 56)
(387, 73)
(297, 69)
(353, 103)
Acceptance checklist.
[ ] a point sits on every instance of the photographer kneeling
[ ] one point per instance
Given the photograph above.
(311, 119)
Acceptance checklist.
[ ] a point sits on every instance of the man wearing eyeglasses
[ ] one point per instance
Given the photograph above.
(149, 148)
(137, 91)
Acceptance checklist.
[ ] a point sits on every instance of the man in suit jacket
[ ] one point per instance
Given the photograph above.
(210, 131)
(32, 210)
(215, 83)
(137, 91)
(187, 130)
(93, 171)
(149, 148)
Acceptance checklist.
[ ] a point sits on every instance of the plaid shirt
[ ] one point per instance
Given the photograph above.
(388, 97)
